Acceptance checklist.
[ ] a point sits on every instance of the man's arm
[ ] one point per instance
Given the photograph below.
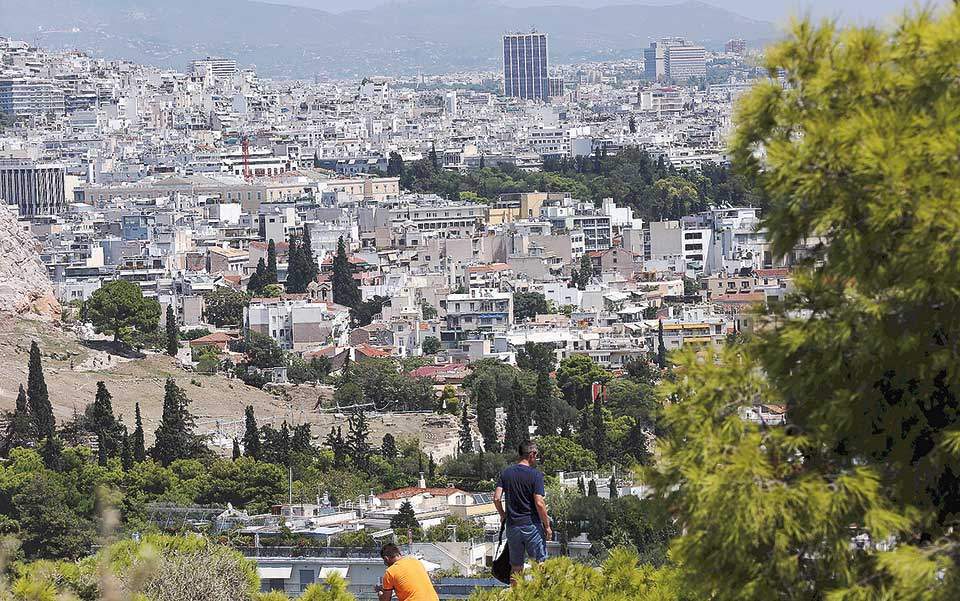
(498, 503)
(541, 505)
(385, 595)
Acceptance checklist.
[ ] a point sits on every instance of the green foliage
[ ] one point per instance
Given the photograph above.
(224, 306)
(526, 305)
(537, 356)
(406, 519)
(174, 438)
(119, 308)
(560, 454)
(364, 312)
(173, 332)
(619, 579)
(37, 396)
(346, 292)
(21, 429)
(251, 434)
(334, 588)
(576, 376)
(466, 529)
(262, 350)
(136, 439)
(431, 345)
(859, 148)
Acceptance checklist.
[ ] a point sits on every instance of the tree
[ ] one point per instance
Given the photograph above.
(434, 159)
(576, 376)
(236, 449)
(338, 445)
(599, 430)
(526, 305)
(465, 437)
(537, 356)
(50, 527)
(345, 289)
(394, 165)
(251, 434)
(21, 428)
(310, 267)
(364, 312)
(517, 420)
(262, 350)
(119, 308)
(592, 488)
(388, 447)
(581, 276)
(661, 347)
(581, 486)
(405, 519)
(37, 395)
(561, 454)
(277, 445)
(173, 333)
(485, 400)
(545, 406)
(358, 439)
(296, 272)
(174, 438)
(862, 483)
(270, 273)
(258, 279)
(431, 345)
(632, 124)
(137, 440)
(103, 423)
(614, 493)
(224, 306)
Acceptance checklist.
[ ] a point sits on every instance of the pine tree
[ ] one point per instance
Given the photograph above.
(39, 399)
(271, 269)
(21, 431)
(296, 282)
(258, 279)
(388, 447)
(310, 267)
(103, 421)
(517, 420)
(251, 434)
(465, 444)
(545, 405)
(613, 487)
(126, 453)
(236, 449)
(338, 446)
(592, 488)
(661, 347)
(357, 440)
(173, 333)
(345, 289)
(137, 444)
(174, 437)
(405, 519)
(599, 430)
(102, 456)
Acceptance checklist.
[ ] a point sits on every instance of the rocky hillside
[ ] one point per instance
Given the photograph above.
(25, 288)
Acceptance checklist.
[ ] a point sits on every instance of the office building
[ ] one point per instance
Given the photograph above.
(217, 68)
(735, 47)
(20, 96)
(556, 86)
(525, 64)
(685, 61)
(36, 188)
(654, 67)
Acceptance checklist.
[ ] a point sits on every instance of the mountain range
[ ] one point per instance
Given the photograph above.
(405, 37)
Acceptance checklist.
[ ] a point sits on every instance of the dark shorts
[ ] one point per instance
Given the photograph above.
(526, 540)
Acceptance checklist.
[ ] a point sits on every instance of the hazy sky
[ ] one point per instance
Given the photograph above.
(778, 11)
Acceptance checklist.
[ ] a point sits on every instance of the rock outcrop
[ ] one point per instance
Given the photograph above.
(25, 287)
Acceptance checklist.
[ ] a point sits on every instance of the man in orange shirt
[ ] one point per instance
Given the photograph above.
(405, 576)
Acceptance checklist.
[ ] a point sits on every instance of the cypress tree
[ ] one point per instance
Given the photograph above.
(21, 431)
(545, 405)
(388, 448)
(126, 453)
(613, 487)
(37, 396)
(173, 333)
(661, 348)
(51, 449)
(345, 289)
(271, 270)
(581, 487)
(102, 450)
(431, 468)
(405, 519)
(174, 437)
(465, 444)
(310, 266)
(486, 402)
(357, 440)
(295, 277)
(592, 488)
(517, 420)
(434, 158)
(335, 442)
(104, 423)
(251, 434)
(598, 430)
(136, 440)
(258, 279)
(236, 448)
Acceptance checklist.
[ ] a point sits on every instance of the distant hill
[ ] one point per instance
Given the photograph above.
(403, 37)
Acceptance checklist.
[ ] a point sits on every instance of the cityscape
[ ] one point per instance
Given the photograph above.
(585, 301)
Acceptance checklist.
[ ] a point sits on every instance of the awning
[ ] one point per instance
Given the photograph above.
(326, 572)
(274, 573)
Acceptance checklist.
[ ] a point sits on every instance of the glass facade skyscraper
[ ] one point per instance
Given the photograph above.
(525, 66)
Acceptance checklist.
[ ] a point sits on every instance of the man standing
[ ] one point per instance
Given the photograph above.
(525, 514)
(405, 576)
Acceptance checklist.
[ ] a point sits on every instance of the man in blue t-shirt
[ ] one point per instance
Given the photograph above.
(525, 513)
